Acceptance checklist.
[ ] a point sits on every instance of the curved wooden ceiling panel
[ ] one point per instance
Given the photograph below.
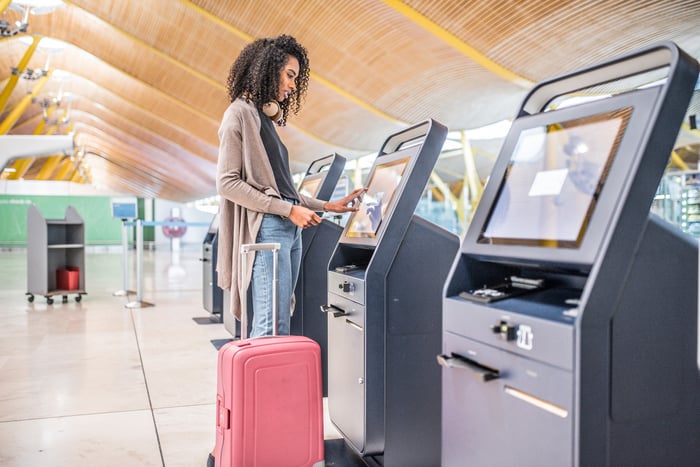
(161, 163)
(376, 55)
(538, 39)
(144, 142)
(134, 58)
(158, 173)
(109, 86)
(115, 111)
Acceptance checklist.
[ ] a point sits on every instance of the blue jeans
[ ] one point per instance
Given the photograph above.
(275, 229)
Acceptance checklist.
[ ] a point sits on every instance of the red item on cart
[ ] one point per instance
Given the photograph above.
(68, 278)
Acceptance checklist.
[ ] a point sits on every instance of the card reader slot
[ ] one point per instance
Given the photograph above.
(510, 287)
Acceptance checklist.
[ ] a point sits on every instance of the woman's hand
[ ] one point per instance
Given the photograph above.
(350, 203)
(303, 217)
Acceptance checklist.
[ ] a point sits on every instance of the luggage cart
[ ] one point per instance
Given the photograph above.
(55, 256)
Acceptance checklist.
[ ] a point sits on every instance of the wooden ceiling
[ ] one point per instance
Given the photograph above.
(149, 75)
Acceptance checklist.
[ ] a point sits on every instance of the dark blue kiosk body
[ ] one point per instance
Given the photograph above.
(212, 294)
(385, 282)
(318, 243)
(570, 316)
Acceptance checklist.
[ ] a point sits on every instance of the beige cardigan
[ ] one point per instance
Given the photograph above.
(248, 190)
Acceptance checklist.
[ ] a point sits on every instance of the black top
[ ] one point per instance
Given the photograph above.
(279, 158)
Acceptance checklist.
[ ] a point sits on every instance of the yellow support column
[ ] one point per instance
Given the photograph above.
(357, 175)
(21, 166)
(4, 4)
(444, 189)
(462, 205)
(678, 161)
(12, 82)
(66, 170)
(40, 126)
(67, 127)
(49, 167)
(22, 105)
(471, 176)
(77, 177)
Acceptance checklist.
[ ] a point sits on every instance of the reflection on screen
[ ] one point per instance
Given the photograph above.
(376, 201)
(309, 187)
(553, 180)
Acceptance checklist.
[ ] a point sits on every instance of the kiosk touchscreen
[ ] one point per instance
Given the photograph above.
(553, 180)
(570, 321)
(318, 243)
(381, 187)
(310, 185)
(322, 177)
(551, 198)
(385, 281)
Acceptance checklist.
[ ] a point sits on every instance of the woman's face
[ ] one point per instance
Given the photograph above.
(288, 84)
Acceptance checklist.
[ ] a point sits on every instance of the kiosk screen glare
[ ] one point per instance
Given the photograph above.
(377, 200)
(309, 187)
(553, 180)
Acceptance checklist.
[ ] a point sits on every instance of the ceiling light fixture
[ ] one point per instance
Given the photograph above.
(35, 7)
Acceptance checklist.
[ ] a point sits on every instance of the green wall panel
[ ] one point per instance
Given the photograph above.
(96, 211)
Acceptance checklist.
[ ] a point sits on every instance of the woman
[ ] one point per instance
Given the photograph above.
(260, 203)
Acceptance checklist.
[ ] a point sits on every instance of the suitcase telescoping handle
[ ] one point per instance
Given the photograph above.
(245, 249)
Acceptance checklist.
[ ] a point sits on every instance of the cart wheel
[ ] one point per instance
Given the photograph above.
(65, 299)
(78, 298)
(30, 298)
(49, 300)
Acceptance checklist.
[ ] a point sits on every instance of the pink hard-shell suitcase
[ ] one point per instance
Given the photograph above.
(269, 402)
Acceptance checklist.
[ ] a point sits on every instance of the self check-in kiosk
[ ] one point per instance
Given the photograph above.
(212, 294)
(385, 282)
(571, 313)
(318, 243)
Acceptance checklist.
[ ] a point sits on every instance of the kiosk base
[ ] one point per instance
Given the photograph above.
(312, 288)
(384, 383)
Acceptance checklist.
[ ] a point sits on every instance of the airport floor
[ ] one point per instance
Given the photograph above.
(93, 383)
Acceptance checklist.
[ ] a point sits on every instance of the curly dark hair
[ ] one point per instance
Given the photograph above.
(255, 74)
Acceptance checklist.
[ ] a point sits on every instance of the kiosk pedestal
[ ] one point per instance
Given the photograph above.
(312, 288)
(212, 294)
(383, 383)
(385, 282)
(318, 243)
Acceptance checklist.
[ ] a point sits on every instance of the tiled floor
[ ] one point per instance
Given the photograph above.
(97, 384)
